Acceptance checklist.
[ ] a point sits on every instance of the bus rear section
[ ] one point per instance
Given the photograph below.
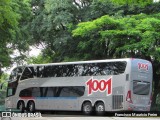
(138, 95)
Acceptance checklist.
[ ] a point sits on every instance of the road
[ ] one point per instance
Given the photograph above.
(82, 118)
(75, 116)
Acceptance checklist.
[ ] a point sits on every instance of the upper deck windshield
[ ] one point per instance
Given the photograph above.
(13, 81)
(16, 74)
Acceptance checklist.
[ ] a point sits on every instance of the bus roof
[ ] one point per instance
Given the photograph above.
(79, 62)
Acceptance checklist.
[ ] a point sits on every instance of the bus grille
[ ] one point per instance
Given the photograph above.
(117, 101)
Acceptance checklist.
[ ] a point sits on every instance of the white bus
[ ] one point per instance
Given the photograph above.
(99, 85)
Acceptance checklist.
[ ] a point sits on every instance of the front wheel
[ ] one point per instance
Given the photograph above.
(100, 108)
(87, 108)
(31, 106)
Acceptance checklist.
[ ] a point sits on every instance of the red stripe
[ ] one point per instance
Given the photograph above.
(27, 97)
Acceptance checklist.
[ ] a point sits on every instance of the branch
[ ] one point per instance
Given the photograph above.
(77, 4)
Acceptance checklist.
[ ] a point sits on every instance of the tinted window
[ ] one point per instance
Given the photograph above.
(12, 87)
(65, 92)
(26, 93)
(28, 73)
(16, 73)
(90, 69)
(72, 91)
(141, 88)
(35, 92)
(75, 91)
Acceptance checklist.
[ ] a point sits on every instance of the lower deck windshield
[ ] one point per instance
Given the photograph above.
(11, 89)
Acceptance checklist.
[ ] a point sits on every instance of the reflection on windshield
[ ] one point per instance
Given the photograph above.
(11, 90)
(16, 73)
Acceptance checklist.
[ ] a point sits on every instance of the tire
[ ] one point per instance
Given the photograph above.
(87, 108)
(31, 106)
(21, 106)
(100, 108)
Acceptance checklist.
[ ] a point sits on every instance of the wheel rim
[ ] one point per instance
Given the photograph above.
(87, 108)
(100, 108)
(31, 107)
(20, 106)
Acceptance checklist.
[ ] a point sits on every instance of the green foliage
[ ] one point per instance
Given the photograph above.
(126, 35)
(8, 23)
(132, 2)
(40, 59)
(3, 78)
(13, 16)
(73, 30)
(86, 28)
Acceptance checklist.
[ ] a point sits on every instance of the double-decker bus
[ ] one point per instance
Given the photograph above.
(99, 85)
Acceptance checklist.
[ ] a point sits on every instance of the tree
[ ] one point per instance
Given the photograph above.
(4, 77)
(128, 33)
(40, 59)
(131, 36)
(13, 29)
(50, 25)
(132, 2)
(8, 24)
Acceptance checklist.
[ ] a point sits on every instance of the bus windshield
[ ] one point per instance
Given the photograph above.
(11, 89)
(16, 73)
(13, 81)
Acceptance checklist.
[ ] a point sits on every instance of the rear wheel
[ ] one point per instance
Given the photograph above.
(87, 108)
(21, 106)
(100, 108)
(31, 106)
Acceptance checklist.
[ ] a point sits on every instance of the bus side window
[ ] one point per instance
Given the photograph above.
(70, 91)
(36, 92)
(80, 70)
(27, 74)
(76, 91)
(64, 92)
(26, 93)
(40, 70)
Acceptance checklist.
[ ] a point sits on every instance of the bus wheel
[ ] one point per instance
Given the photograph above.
(100, 108)
(21, 106)
(31, 106)
(87, 108)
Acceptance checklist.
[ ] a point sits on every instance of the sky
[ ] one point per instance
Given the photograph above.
(34, 51)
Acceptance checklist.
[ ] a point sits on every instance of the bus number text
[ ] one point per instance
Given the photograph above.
(99, 85)
(143, 66)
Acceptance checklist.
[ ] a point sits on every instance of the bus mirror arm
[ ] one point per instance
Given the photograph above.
(19, 74)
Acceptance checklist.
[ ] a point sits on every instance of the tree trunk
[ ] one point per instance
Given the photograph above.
(0, 70)
(155, 83)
